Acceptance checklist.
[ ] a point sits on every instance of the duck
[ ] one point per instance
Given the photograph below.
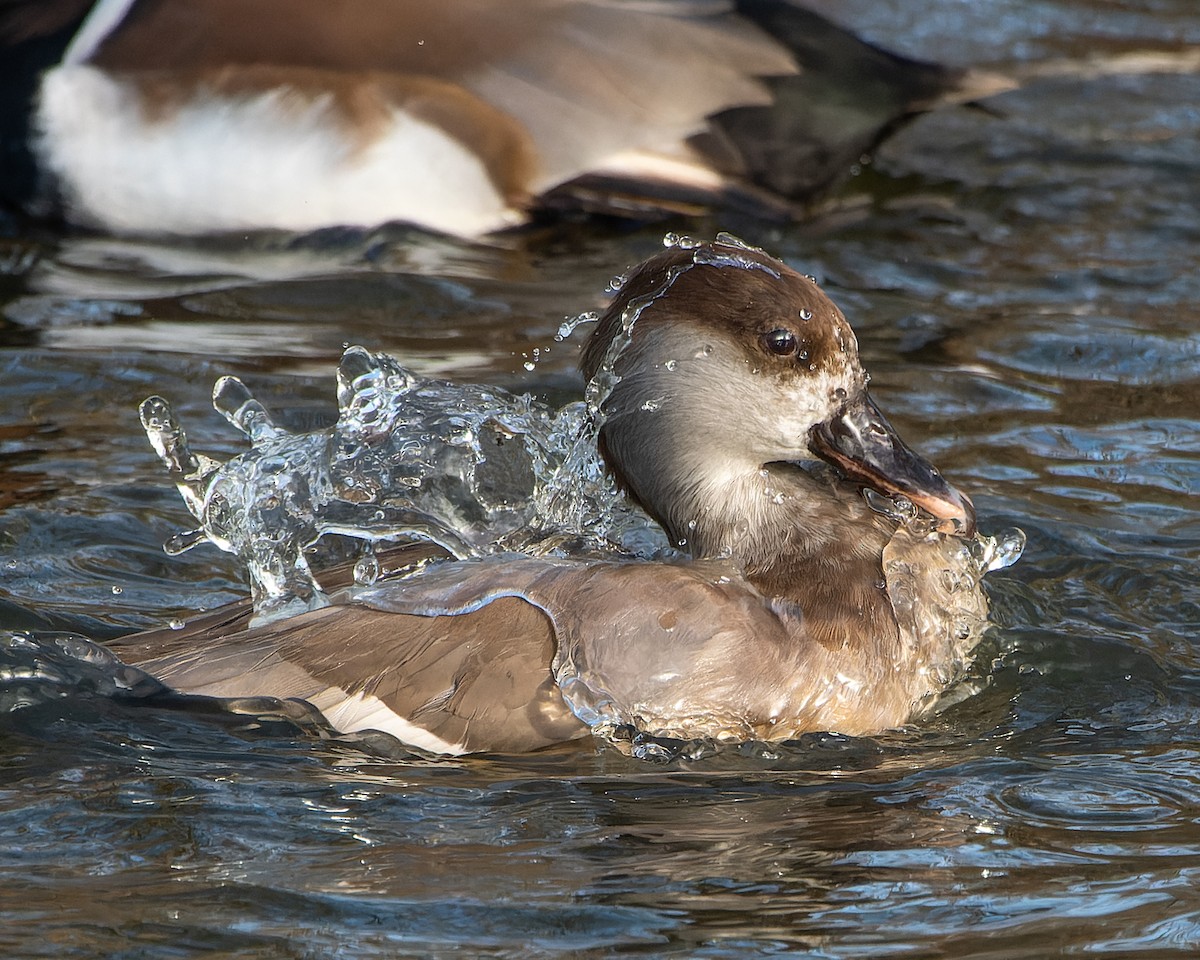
(738, 417)
(191, 117)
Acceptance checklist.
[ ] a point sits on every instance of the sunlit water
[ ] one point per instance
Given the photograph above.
(1024, 286)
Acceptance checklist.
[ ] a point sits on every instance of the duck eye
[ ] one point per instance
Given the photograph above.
(780, 342)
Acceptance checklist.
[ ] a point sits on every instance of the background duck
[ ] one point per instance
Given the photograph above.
(198, 116)
(796, 614)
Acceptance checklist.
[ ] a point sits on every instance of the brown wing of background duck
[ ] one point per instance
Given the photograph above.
(190, 116)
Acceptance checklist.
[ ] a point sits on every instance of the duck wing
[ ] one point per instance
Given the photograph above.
(447, 684)
(461, 117)
(681, 650)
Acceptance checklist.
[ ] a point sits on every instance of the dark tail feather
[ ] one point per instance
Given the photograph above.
(33, 36)
(848, 97)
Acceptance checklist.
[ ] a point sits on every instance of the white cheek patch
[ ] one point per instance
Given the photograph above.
(758, 416)
(258, 161)
(812, 400)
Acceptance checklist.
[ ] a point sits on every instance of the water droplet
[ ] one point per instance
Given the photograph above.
(671, 364)
(117, 591)
(680, 241)
(366, 569)
(234, 401)
(181, 542)
(569, 325)
(900, 509)
(805, 314)
(529, 365)
(177, 624)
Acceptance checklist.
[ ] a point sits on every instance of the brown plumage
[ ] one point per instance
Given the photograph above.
(802, 610)
(192, 116)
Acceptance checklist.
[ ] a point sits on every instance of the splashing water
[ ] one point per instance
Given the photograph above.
(731, 251)
(37, 668)
(571, 324)
(476, 470)
(472, 469)
(936, 595)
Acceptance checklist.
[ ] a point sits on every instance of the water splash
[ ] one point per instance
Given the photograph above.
(934, 583)
(476, 470)
(256, 506)
(571, 324)
(731, 251)
(473, 469)
(46, 666)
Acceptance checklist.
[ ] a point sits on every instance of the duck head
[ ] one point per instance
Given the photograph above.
(736, 380)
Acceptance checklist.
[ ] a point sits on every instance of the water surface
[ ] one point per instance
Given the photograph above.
(1024, 283)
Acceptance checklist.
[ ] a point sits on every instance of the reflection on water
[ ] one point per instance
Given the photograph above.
(1024, 284)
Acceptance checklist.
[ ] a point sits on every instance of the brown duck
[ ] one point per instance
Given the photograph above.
(201, 116)
(741, 422)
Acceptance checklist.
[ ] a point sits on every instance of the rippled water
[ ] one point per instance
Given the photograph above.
(1025, 286)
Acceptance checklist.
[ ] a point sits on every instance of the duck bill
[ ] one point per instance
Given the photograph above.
(860, 442)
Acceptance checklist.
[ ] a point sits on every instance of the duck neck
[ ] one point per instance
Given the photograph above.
(789, 529)
(809, 540)
(777, 520)
(679, 435)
